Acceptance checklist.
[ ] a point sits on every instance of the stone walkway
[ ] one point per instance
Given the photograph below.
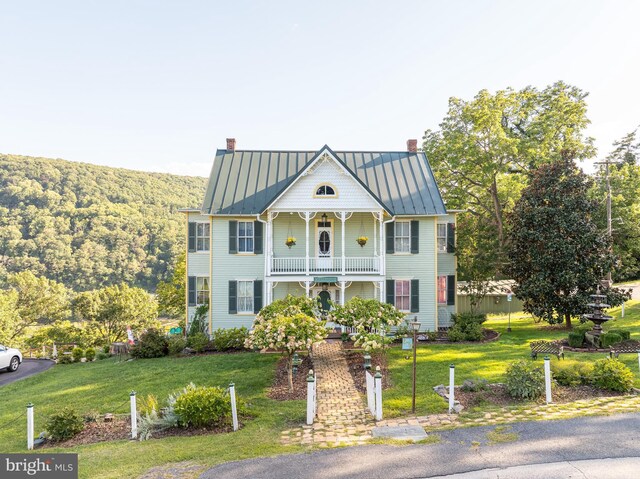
(342, 414)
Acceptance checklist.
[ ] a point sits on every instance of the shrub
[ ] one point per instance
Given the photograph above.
(78, 354)
(226, 339)
(475, 385)
(64, 425)
(607, 339)
(153, 344)
(576, 339)
(572, 373)
(612, 374)
(65, 359)
(102, 355)
(198, 341)
(199, 406)
(90, 354)
(525, 380)
(466, 327)
(176, 344)
(626, 335)
(106, 349)
(148, 404)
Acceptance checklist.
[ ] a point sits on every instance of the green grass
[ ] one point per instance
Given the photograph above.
(487, 360)
(105, 385)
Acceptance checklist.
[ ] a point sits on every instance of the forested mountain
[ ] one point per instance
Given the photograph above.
(89, 226)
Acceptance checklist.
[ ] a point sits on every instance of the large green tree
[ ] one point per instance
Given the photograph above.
(171, 293)
(483, 151)
(557, 254)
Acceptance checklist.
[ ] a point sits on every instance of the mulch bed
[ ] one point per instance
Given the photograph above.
(497, 394)
(280, 388)
(355, 363)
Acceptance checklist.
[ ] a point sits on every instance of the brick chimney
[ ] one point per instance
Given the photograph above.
(412, 146)
(231, 144)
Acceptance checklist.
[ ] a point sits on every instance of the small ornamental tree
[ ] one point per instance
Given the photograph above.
(287, 333)
(370, 318)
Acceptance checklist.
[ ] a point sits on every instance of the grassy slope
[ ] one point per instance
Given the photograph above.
(105, 385)
(483, 360)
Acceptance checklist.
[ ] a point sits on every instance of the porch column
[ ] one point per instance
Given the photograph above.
(269, 249)
(381, 289)
(307, 288)
(375, 235)
(343, 286)
(307, 217)
(343, 219)
(383, 246)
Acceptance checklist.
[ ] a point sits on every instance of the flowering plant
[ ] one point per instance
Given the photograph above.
(291, 241)
(362, 240)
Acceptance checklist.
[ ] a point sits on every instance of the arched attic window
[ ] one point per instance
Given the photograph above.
(326, 190)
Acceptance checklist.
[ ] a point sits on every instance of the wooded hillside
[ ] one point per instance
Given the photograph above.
(88, 226)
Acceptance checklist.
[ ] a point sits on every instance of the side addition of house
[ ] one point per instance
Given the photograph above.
(351, 223)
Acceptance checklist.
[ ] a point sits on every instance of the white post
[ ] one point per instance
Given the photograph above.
(378, 386)
(234, 407)
(547, 378)
(343, 218)
(452, 370)
(29, 426)
(622, 312)
(638, 359)
(307, 216)
(307, 288)
(311, 390)
(54, 354)
(375, 235)
(342, 288)
(134, 415)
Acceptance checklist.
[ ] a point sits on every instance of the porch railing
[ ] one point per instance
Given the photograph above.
(326, 265)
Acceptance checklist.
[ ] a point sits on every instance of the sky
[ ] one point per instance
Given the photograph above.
(159, 85)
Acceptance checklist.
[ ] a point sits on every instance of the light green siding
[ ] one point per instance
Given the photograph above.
(422, 267)
(362, 289)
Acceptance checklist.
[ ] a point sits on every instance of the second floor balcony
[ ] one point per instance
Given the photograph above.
(333, 265)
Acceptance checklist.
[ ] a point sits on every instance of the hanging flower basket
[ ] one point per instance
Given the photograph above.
(362, 240)
(291, 241)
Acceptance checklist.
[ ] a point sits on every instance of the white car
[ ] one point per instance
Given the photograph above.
(10, 358)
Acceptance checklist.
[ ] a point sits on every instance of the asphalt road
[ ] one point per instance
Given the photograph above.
(465, 450)
(29, 367)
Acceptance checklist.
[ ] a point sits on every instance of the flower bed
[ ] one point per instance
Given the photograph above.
(280, 389)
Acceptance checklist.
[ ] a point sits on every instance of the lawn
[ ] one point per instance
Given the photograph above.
(105, 385)
(486, 361)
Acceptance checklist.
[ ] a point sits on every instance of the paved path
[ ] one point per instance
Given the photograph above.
(459, 451)
(342, 415)
(29, 367)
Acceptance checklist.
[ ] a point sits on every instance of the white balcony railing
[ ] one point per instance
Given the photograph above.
(326, 265)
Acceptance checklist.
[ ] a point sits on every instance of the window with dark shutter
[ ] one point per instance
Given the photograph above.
(257, 235)
(192, 291)
(451, 237)
(391, 291)
(192, 237)
(233, 297)
(415, 296)
(451, 290)
(233, 237)
(415, 237)
(390, 238)
(257, 296)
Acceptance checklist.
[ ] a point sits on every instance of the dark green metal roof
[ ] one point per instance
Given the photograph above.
(244, 182)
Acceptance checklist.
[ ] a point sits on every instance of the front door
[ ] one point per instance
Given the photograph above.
(324, 245)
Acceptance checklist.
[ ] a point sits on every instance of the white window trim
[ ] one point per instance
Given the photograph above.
(244, 313)
(208, 242)
(333, 196)
(445, 289)
(395, 297)
(395, 236)
(253, 237)
(446, 237)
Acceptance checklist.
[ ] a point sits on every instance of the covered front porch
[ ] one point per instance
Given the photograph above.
(340, 289)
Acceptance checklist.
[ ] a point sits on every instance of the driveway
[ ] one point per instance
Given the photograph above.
(535, 444)
(29, 367)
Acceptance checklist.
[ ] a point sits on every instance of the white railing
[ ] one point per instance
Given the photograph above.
(326, 265)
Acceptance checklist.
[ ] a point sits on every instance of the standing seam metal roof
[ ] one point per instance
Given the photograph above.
(246, 182)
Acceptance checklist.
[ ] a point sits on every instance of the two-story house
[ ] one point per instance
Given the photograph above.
(354, 223)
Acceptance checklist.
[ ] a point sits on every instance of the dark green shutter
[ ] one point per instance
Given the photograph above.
(257, 237)
(415, 295)
(451, 237)
(451, 290)
(390, 236)
(257, 296)
(192, 237)
(391, 291)
(415, 237)
(233, 237)
(192, 290)
(233, 297)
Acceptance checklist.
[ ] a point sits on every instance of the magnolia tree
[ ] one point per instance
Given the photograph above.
(370, 319)
(286, 325)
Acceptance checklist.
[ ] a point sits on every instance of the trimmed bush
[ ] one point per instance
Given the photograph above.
(65, 359)
(199, 406)
(106, 349)
(571, 373)
(524, 380)
(198, 342)
(176, 345)
(102, 355)
(90, 354)
(466, 327)
(153, 344)
(608, 339)
(626, 335)
(612, 374)
(227, 339)
(64, 425)
(77, 354)
(576, 339)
